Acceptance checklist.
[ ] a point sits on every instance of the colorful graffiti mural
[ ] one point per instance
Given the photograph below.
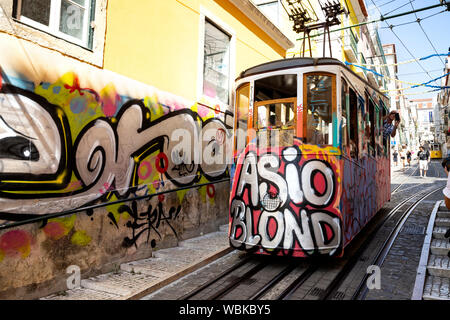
(303, 200)
(286, 201)
(64, 147)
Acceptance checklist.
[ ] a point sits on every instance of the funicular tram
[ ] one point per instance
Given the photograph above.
(311, 167)
(435, 151)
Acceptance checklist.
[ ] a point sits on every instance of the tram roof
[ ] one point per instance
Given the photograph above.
(289, 63)
(292, 63)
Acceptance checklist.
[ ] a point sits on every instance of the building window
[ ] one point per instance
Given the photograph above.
(216, 63)
(271, 9)
(67, 19)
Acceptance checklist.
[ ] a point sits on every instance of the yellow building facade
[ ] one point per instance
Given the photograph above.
(161, 43)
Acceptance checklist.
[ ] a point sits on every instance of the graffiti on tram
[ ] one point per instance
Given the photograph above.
(286, 201)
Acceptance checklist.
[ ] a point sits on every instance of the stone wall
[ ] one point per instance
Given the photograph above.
(73, 136)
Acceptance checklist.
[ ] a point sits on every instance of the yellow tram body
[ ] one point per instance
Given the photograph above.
(435, 152)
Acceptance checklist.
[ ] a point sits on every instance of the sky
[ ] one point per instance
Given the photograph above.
(436, 26)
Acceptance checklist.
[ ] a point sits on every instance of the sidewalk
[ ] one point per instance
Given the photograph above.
(139, 278)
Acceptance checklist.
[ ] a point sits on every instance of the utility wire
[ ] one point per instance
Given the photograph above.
(410, 22)
(414, 73)
(381, 5)
(398, 8)
(403, 44)
(418, 21)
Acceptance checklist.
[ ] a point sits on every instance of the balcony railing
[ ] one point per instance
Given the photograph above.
(353, 42)
(363, 62)
(351, 46)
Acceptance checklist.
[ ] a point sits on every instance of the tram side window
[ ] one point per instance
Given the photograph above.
(275, 110)
(385, 141)
(241, 114)
(319, 108)
(353, 108)
(379, 147)
(371, 130)
(344, 125)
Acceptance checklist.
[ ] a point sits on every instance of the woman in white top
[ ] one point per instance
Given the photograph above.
(446, 191)
(403, 157)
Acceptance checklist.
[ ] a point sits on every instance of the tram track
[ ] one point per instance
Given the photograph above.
(259, 283)
(383, 252)
(355, 256)
(404, 180)
(225, 273)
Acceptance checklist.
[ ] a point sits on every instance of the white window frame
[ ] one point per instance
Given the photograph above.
(54, 20)
(261, 4)
(206, 15)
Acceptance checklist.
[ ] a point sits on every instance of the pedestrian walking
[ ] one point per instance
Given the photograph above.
(403, 157)
(424, 159)
(446, 192)
(408, 158)
(395, 157)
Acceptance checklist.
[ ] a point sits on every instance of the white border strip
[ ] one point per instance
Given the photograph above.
(422, 268)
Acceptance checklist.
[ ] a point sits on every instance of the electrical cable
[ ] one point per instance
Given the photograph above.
(414, 85)
(421, 27)
(406, 61)
(403, 44)
(397, 8)
(414, 73)
(411, 22)
(381, 5)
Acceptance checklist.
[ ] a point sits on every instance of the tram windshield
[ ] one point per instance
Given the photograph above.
(274, 110)
(275, 114)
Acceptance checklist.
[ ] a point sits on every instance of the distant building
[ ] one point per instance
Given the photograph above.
(425, 119)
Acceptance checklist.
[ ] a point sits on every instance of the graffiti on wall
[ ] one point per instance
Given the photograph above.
(64, 147)
(285, 201)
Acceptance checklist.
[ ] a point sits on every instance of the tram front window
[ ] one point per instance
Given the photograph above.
(320, 90)
(275, 122)
(274, 118)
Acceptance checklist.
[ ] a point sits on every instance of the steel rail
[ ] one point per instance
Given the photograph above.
(238, 281)
(382, 253)
(287, 293)
(340, 277)
(403, 181)
(220, 276)
(331, 289)
(273, 282)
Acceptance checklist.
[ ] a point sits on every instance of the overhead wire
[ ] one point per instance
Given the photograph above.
(414, 85)
(401, 41)
(414, 21)
(386, 14)
(414, 73)
(421, 27)
(406, 61)
(381, 5)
